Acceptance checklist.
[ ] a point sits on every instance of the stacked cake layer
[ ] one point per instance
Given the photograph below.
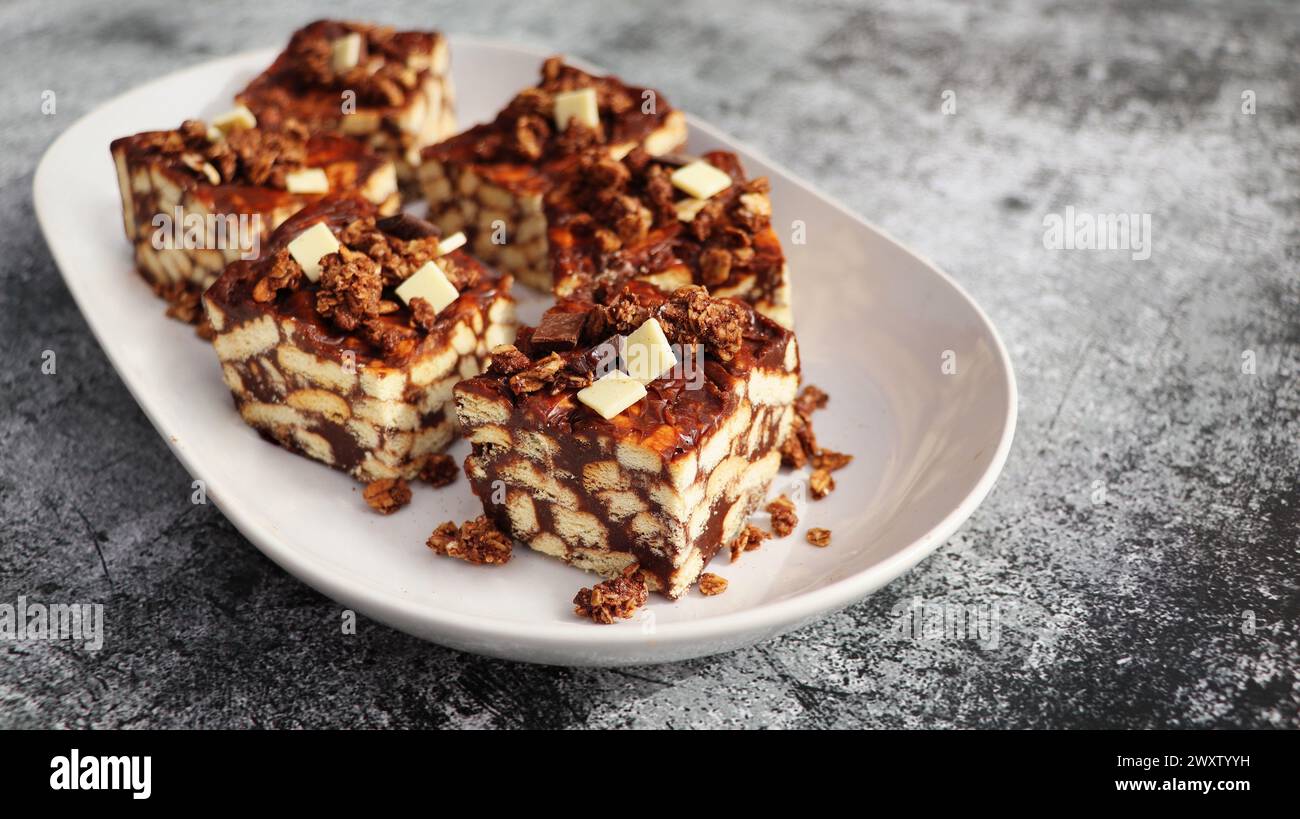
(344, 340)
(588, 448)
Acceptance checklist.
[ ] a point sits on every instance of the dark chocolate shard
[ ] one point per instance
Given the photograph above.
(559, 331)
(406, 227)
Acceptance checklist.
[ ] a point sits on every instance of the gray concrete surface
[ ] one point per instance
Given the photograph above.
(1146, 531)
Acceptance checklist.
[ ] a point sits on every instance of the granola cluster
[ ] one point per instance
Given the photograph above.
(749, 539)
(689, 316)
(692, 316)
(711, 584)
(250, 156)
(819, 537)
(830, 460)
(185, 304)
(617, 597)
(261, 156)
(620, 202)
(801, 447)
(552, 373)
(283, 273)
(820, 483)
(475, 541)
(783, 516)
(402, 244)
(351, 289)
(380, 77)
(612, 212)
(525, 129)
(508, 360)
(537, 375)
(387, 495)
(439, 470)
(784, 519)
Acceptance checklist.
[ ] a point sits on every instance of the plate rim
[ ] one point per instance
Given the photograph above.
(405, 614)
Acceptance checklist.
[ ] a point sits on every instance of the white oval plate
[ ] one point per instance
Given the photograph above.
(874, 322)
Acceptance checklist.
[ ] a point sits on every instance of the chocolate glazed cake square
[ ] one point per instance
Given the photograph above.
(389, 89)
(344, 340)
(664, 480)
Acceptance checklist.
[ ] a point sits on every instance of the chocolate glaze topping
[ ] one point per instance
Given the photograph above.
(302, 83)
(182, 152)
(595, 244)
(524, 140)
(233, 291)
(678, 410)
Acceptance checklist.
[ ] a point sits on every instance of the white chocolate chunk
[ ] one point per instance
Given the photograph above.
(687, 209)
(429, 283)
(451, 243)
(215, 134)
(700, 179)
(235, 119)
(612, 393)
(648, 353)
(346, 52)
(312, 245)
(307, 180)
(579, 105)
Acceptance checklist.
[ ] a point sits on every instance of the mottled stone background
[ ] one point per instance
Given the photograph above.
(1172, 602)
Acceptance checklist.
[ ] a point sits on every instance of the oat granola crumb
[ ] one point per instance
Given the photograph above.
(792, 453)
(387, 495)
(711, 584)
(184, 304)
(205, 330)
(476, 541)
(617, 597)
(690, 315)
(423, 315)
(442, 538)
(801, 444)
(830, 460)
(783, 515)
(624, 314)
(749, 539)
(440, 470)
(537, 376)
(819, 537)
(508, 360)
(811, 398)
(350, 289)
(285, 274)
(820, 483)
